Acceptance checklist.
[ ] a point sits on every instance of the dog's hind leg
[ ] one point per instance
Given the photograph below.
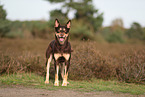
(62, 70)
(48, 67)
(66, 74)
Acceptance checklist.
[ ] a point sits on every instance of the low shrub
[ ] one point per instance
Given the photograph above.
(40, 30)
(4, 27)
(87, 63)
(113, 36)
(16, 34)
(132, 67)
(25, 63)
(89, 60)
(116, 37)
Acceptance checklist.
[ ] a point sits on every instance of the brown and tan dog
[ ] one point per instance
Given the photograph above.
(59, 50)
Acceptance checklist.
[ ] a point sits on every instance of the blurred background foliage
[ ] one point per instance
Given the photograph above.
(86, 25)
(4, 23)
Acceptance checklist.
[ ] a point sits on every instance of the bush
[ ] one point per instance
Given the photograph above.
(40, 30)
(116, 36)
(24, 63)
(16, 34)
(4, 27)
(135, 32)
(89, 63)
(132, 67)
(113, 35)
(89, 60)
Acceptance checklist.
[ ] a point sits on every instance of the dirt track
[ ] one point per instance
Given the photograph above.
(31, 92)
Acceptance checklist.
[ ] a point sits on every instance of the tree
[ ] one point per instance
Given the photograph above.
(4, 24)
(117, 24)
(57, 14)
(84, 10)
(135, 31)
(2, 13)
(115, 32)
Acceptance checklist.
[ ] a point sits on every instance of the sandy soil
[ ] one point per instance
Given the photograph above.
(31, 92)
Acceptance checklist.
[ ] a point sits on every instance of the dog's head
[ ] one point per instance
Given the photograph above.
(62, 32)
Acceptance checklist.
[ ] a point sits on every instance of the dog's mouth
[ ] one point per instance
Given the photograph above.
(61, 39)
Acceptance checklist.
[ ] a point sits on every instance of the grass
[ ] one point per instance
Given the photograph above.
(36, 81)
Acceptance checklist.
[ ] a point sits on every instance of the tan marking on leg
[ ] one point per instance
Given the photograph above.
(66, 56)
(64, 81)
(56, 83)
(48, 67)
(65, 78)
(56, 56)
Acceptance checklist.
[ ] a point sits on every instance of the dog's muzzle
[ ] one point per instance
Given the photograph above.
(61, 39)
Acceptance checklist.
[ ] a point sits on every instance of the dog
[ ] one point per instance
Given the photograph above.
(60, 51)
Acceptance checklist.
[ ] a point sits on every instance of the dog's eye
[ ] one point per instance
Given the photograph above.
(64, 29)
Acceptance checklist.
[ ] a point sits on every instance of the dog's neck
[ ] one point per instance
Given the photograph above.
(61, 48)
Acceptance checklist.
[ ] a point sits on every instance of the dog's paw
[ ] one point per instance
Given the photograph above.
(46, 82)
(68, 83)
(64, 84)
(56, 84)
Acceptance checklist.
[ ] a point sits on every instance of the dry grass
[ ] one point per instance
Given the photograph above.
(125, 62)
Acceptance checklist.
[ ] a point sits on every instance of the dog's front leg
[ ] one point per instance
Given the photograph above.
(56, 64)
(48, 67)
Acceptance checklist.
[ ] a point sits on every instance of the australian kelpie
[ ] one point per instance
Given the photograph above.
(59, 50)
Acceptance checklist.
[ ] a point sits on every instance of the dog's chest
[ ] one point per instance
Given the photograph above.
(66, 56)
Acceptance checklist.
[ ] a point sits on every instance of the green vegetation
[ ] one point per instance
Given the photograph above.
(4, 23)
(33, 80)
(136, 32)
(86, 25)
(84, 11)
(2, 13)
(79, 31)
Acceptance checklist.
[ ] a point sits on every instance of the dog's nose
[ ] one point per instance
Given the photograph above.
(61, 34)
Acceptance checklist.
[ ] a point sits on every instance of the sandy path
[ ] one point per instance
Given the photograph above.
(31, 92)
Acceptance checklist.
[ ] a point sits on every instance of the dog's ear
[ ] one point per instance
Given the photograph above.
(68, 24)
(56, 23)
